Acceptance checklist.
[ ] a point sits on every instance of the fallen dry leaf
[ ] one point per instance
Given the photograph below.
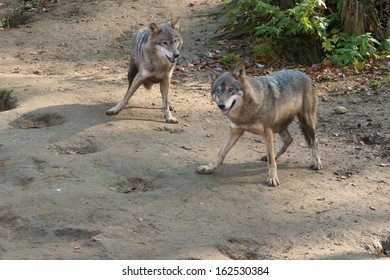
(139, 218)
(95, 238)
(38, 72)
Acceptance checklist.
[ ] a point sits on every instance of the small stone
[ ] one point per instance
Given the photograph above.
(340, 110)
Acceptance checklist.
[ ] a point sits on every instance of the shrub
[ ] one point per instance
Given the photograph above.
(346, 49)
(300, 30)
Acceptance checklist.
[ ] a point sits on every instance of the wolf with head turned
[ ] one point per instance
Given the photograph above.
(155, 52)
(265, 105)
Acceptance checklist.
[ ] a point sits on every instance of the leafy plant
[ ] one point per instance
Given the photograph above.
(303, 19)
(346, 49)
(228, 59)
(304, 31)
(385, 46)
(13, 13)
(286, 29)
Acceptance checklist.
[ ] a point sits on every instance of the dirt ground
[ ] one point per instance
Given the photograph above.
(77, 184)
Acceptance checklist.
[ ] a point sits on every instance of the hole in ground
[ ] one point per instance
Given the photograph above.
(7, 101)
(38, 120)
(74, 147)
(133, 185)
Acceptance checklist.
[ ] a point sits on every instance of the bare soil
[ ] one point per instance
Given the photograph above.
(77, 184)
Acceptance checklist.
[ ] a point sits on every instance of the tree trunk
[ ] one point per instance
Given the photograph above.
(352, 17)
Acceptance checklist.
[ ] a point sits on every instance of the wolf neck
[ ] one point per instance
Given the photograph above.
(250, 101)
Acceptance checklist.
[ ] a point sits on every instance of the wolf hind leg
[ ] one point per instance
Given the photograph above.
(287, 140)
(133, 70)
(307, 123)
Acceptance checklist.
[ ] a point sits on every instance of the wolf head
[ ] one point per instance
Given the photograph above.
(167, 39)
(227, 88)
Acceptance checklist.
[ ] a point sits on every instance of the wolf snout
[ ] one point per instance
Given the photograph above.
(172, 59)
(221, 106)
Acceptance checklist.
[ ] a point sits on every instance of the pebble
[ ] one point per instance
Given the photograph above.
(340, 110)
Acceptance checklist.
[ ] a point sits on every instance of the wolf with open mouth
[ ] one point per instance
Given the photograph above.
(265, 105)
(155, 52)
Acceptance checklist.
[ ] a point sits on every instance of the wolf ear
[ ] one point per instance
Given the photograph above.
(154, 28)
(239, 71)
(212, 74)
(175, 23)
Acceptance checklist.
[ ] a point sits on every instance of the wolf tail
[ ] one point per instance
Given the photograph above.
(308, 116)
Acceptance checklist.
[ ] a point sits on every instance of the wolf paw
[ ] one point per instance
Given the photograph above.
(273, 181)
(265, 158)
(204, 169)
(316, 166)
(171, 120)
(112, 112)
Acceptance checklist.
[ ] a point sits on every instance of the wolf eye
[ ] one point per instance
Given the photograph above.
(164, 43)
(175, 40)
(230, 90)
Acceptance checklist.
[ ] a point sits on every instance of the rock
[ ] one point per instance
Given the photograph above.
(340, 110)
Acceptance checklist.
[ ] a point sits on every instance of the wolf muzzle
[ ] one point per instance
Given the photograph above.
(224, 110)
(174, 58)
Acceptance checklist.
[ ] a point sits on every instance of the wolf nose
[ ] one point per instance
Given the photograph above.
(221, 106)
(176, 55)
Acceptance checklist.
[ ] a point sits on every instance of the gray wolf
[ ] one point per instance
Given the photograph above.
(155, 51)
(265, 105)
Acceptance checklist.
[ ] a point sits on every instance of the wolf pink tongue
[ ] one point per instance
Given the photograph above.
(225, 112)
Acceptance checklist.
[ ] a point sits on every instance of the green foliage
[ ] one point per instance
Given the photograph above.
(228, 59)
(286, 29)
(305, 32)
(31, 4)
(12, 13)
(346, 49)
(303, 19)
(385, 46)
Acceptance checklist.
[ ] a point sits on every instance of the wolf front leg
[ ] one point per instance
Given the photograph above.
(272, 179)
(164, 88)
(234, 134)
(135, 84)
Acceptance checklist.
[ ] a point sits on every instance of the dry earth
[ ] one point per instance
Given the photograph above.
(77, 184)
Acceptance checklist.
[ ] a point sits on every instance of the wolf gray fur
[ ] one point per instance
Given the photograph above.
(265, 105)
(155, 52)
